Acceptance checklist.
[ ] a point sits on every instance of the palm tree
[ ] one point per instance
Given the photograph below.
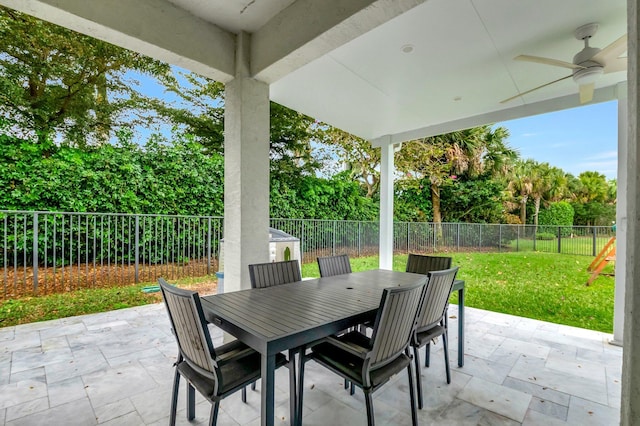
(594, 187)
(520, 184)
(547, 184)
(443, 158)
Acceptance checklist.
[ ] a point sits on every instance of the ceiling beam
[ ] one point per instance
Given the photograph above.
(308, 29)
(603, 94)
(155, 28)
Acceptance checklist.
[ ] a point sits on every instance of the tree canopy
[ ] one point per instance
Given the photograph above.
(54, 81)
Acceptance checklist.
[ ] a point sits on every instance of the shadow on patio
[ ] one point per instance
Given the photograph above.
(115, 368)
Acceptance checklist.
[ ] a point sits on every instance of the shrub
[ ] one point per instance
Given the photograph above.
(545, 236)
(557, 214)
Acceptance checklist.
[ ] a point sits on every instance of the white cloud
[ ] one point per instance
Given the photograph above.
(603, 156)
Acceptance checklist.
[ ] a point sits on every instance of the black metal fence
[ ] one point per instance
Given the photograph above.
(45, 252)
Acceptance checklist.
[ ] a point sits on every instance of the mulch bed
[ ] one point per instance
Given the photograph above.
(19, 282)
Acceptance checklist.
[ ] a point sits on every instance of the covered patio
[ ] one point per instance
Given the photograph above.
(115, 368)
(388, 71)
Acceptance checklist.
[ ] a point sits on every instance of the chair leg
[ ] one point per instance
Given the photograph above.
(427, 354)
(300, 389)
(191, 402)
(416, 359)
(445, 347)
(213, 417)
(174, 398)
(244, 394)
(353, 389)
(253, 386)
(369, 403)
(293, 400)
(346, 384)
(414, 414)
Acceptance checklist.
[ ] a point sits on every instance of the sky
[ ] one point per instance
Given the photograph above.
(575, 140)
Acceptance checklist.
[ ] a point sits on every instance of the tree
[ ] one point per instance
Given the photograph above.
(199, 111)
(445, 158)
(521, 186)
(547, 184)
(54, 81)
(360, 158)
(593, 187)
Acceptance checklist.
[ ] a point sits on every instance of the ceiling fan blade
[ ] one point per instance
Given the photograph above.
(548, 61)
(612, 51)
(615, 65)
(586, 92)
(535, 88)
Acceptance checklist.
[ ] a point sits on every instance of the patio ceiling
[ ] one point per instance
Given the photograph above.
(343, 62)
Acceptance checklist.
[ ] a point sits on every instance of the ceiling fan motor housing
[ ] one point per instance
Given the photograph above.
(592, 69)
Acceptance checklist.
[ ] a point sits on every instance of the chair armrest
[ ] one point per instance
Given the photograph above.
(349, 345)
(232, 352)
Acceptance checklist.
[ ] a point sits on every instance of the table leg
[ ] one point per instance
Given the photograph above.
(461, 327)
(267, 396)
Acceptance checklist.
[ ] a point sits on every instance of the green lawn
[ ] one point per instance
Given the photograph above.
(544, 286)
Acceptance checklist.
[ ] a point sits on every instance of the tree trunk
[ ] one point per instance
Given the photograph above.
(437, 216)
(103, 120)
(523, 209)
(435, 203)
(537, 206)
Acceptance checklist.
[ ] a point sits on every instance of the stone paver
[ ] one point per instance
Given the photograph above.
(115, 368)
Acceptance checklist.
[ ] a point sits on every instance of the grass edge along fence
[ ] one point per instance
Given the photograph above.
(55, 252)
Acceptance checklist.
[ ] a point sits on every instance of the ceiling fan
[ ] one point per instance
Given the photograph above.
(587, 65)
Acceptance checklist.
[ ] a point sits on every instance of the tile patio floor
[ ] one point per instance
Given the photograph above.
(115, 368)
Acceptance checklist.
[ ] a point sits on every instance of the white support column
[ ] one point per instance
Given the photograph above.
(246, 171)
(386, 205)
(621, 215)
(630, 401)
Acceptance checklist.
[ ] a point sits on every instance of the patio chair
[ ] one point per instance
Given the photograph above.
(423, 264)
(215, 372)
(430, 322)
(274, 273)
(334, 265)
(369, 363)
(270, 274)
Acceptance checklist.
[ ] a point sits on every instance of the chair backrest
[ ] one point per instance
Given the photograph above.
(423, 264)
(274, 273)
(395, 322)
(436, 297)
(334, 265)
(189, 327)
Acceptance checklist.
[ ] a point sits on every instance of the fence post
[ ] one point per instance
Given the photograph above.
(359, 242)
(480, 237)
(499, 238)
(137, 251)
(333, 238)
(408, 225)
(458, 236)
(518, 238)
(594, 241)
(559, 239)
(35, 253)
(535, 237)
(209, 246)
(302, 251)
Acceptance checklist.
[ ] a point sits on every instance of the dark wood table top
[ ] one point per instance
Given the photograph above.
(287, 316)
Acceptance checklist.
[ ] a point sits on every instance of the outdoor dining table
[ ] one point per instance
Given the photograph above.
(289, 316)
